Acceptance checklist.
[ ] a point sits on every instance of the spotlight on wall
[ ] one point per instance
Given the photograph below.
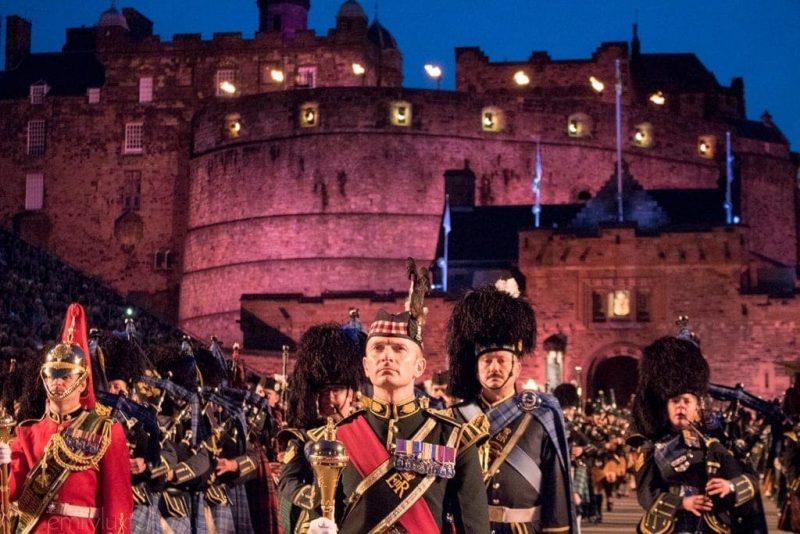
(358, 69)
(227, 87)
(276, 75)
(658, 98)
(434, 72)
(520, 78)
(596, 84)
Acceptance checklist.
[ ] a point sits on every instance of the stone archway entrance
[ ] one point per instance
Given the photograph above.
(618, 373)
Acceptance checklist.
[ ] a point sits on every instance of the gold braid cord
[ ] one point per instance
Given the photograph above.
(59, 451)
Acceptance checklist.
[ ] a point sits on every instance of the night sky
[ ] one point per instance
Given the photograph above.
(759, 41)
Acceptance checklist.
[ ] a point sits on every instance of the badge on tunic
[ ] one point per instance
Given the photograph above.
(425, 458)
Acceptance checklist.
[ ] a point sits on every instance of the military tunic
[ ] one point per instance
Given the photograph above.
(104, 488)
(526, 475)
(678, 466)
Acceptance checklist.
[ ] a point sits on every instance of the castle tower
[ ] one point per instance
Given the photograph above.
(284, 16)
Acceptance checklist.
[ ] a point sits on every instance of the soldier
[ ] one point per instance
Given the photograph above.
(70, 470)
(439, 383)
(124, 364)
(686, 481)
(324, 384)
(526, 461)
(411, 469)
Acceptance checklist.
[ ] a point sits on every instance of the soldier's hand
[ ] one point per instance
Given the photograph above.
(697, 504)
(5, 454)
(137, 466)
(322, 525)
(719, 486)
(226, 466)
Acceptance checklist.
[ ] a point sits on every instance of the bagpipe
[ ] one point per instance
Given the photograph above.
(741, 442)
(130, 412)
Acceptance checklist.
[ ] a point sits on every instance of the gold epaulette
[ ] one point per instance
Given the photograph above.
(103, 410)
(443, 415)
(475, 432)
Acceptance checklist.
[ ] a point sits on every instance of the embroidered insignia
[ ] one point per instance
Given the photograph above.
(529, 401)
(290, 453)
(400, 483)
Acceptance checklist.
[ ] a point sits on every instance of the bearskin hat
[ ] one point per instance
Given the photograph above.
(567, 395)
(122, 359)
(791, 403)
(210, 367)
(670, 366)
(484, 320)
(327, 354)
(170, 358)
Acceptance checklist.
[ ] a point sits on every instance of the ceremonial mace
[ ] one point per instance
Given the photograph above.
(285, 358)
(328, 458)
(7, 425)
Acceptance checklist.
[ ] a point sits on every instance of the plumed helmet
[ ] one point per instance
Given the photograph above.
(71, 357)
(484, 320)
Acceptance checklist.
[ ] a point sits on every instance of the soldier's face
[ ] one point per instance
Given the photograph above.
(498, 370)
(334, 401)
(393, 362)
(117, 387)
(683, 410)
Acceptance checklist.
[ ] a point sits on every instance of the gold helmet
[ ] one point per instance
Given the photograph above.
(70, 357)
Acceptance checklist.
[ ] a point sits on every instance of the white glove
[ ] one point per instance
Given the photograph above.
(322, 525)
(5, 454)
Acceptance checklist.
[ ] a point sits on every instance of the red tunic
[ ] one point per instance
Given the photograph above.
(108, 489)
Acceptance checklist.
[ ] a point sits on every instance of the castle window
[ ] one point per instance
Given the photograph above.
(225, 82)
(309, 115)
(579, 125)
(36, 137)
(306, 76)
(643, 135)
(598, 310)
(134, 138)
(270, 73)
(93, 95)
(37, 93)
(619, 304)
(492, 119)
(233, 125)
(163, 260)
(706, 146)
(145, 90)
(400, 113)
(642, 307)
(132, 191)
(34, 191)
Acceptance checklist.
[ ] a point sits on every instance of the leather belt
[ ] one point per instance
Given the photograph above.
(501, 514)
(72, 510)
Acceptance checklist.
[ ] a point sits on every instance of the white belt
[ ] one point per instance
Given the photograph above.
(501, 514)
(72, 510)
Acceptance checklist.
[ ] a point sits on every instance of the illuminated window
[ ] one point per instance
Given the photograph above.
(306, 76)
(37, 92)
(134, 138)
(233, 125)
(619, 304)
(34, 191)
(579, 125)
(643, 135)
(36, 137)
(492, 119)
(706, 146)
(93, 95)
(270, 73)
(145, 90)
(225, 82)
(309, 115)
(132, 191)
(400, 113)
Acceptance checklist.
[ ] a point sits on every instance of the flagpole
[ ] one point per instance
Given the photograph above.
(728, 179)
(618, 87)
(537, 187)
(446, 226)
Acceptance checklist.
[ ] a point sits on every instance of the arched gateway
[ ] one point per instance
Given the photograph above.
(614, 369)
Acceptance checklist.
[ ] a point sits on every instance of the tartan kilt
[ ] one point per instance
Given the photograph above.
(179, 525)
(146, 519)
(223, 519)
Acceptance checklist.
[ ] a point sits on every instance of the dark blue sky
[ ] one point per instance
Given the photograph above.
(758, 40)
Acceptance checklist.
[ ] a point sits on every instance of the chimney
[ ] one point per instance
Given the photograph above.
(18, 41)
